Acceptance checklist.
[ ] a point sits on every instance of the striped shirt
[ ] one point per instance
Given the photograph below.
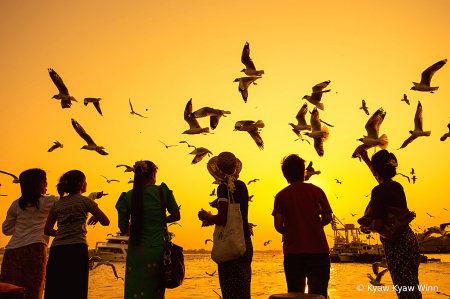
(71, 215)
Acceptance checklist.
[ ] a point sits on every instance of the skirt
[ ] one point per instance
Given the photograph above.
(25, 267)
(403, 263)
(235, 276)
(67, 272)
(143, 272)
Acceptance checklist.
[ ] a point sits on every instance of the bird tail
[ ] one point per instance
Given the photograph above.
(444, 137)
(317, 172)
(428, 133)
(384, 141)
(227, 112)
(434, 88)
(61, 146)
(259, 124)
(73, 99)
(205, 130)
(326, 134)
(259, 72)
(320, 106)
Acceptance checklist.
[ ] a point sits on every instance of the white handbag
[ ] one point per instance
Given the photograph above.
(228, 239)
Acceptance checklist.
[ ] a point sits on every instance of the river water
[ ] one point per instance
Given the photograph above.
(268, 278)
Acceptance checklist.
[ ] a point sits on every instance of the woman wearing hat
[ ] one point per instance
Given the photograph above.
(234, 275)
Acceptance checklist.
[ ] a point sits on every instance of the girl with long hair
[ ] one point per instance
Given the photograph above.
(68, 264)
(146, 243)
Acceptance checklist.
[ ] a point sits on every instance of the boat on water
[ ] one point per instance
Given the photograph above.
(114, 249)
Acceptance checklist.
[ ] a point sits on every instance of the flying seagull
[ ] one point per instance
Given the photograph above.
(16, 179)
(252, 181)
(244, 84)
(267, 243)
(430, 215)
(319, 133)
(55, 146)
(206, 241)
(200, 153)
(376, 266)
(373, 128)
(377, 281)
(213, 193)
(128, 168)
(66, 99)
(90, 143)
(435, 230)
(212, 274)
(167, 146)
(250, 198)
(194, 127)
(414, 178)
(446, 134)
(214, 114)
(409, 181)
(405, 99)
(364, 107)
(427, 74)
(252, 128)
(418, 127)
(132, 111)
(337, 181)
(250, 69)
(353, 215)
(107, 264)
(301, 121)
(412, 171)
(309, 171)
(316, 95)
(109, 181)
(94, 101)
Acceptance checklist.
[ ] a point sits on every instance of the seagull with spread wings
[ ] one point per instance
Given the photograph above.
(364, 107)
(252, 181)
(373, 139)
(215, 115)
(128, 168)
(16, 179)
(132, 111)
(90, 143)
(427, 74)
(167, 146)
(187, 144)
(316, 96)
(95, 102)
(250, 69)
(200, 153)
(446, 134)
(405, 99)
(418, 127)
(107, 264)
(319, 133)
(213, 193)
(309, 171)
(301, 121)
(66, 99)
(244, 84)
(109, 181)
(414, 178)
(377, 281)
(56, 145)
(194, 127)
(252, 128)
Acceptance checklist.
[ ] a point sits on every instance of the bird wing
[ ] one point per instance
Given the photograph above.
(79, 129)
(310, 168)
(97, 106)
(52, 148)
(408, 141)
(418, 120)
(245, 59)
(10, 174)
(193, 123)
(320, 86)
(101, 152)
(58, 82)
(326, 123)
(206, 111)
(241, 123)
(198, 157)
(301, 115)
(214, 121)
(131, 106)
(375, 268)
(381, 274)
(315, 121)
(318, 145)
(140, 115)
(374, 123)
(123, 165)
(429, 72)
(114, 180)
(66, 104)
(443, 225)
(255, 135)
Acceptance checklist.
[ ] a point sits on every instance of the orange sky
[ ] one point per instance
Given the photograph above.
(161, 54)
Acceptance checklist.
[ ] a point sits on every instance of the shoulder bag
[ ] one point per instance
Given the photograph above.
(173, 261)
(228, 239)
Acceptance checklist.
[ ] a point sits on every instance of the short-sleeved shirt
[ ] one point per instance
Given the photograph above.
(71, 215)
(384, 195)
(153, 225)
(240, 195)
(298, 203)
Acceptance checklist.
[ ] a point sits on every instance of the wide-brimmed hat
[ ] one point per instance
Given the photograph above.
(224, 167)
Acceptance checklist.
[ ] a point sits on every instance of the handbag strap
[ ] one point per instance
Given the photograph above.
(163, 212)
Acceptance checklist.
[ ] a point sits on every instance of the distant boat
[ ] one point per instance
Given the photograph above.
(114, 249)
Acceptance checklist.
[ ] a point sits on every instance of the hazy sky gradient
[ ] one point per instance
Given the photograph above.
(161, 54)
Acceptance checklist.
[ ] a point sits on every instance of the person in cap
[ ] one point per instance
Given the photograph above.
(301, 210)
(235, 275)
(145, 251)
